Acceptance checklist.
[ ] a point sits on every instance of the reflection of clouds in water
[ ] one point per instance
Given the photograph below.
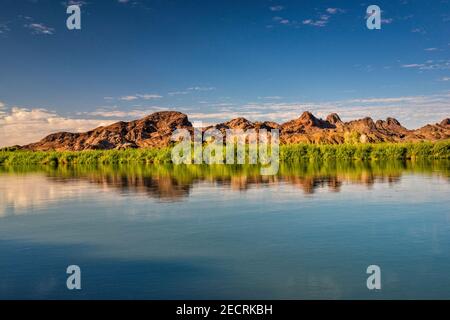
(25, 193)
(19, 193)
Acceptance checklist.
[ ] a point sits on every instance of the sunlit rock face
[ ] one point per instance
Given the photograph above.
(156, 130)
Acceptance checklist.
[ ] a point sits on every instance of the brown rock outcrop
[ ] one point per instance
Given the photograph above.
(155, 131)
(334, 118)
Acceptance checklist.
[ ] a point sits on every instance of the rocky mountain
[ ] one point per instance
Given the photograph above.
(155, 131)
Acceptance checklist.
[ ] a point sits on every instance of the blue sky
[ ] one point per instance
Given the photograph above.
(218, 59)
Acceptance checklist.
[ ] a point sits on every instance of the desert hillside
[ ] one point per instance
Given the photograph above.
(155, 130)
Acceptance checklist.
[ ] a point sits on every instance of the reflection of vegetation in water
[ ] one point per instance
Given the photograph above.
(175, 181)
(288, 154)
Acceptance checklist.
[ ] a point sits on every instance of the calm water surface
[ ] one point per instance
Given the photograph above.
(162, 232)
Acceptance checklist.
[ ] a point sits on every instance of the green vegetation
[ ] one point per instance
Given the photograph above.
(288, 154)
(379, 151)
(85, 157)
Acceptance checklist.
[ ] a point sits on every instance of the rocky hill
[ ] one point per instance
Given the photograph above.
(152, 131)
(155, 131)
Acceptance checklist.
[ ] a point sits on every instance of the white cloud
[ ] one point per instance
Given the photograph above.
(145, 96)
(201, 88)
(411, 111)
(387, 21)
(445, 79)
(271, 98)
(149, 96)
(114, 112)
(283, 21)
(384, 100)
(334, 10)
(129, 98)
(175, 93)
(190, 90)
(39, 28)
(418, 30)
(117, 113)
(412, 65)
(324, 18)
(315, 23)
(276, 8)
(429, 65)
(74, 2)
(4, 28)
(22, 125)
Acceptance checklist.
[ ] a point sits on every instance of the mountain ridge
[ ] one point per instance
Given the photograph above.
(155, 130)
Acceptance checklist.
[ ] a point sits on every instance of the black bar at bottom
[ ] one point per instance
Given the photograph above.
(228, 309)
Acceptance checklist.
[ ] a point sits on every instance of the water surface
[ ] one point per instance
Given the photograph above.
(221, 232)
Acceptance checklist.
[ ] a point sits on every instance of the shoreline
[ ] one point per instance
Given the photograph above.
(289, 153)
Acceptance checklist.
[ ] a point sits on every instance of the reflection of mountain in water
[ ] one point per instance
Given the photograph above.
(161, 187)
(23, 188)
(176, 182)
